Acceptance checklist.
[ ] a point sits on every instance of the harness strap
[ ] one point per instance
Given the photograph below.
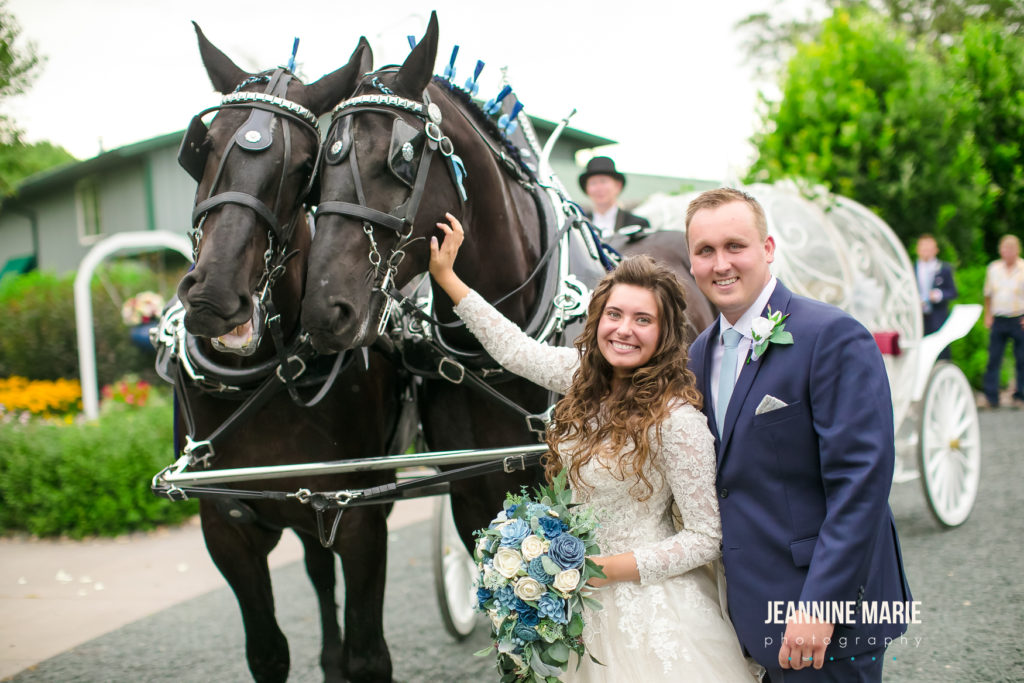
(240, 198)
(259, 398)
(363, 213)
(508, 465)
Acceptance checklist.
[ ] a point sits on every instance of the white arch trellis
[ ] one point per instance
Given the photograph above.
(121, 241)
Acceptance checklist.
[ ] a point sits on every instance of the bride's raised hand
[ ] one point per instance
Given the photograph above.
(442, 258)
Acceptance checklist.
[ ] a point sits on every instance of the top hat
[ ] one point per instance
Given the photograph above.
(600, 166)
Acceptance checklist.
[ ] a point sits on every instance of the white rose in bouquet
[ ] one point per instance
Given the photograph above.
(532, 547)
(528, 588)
(566, 581)
(507, 562)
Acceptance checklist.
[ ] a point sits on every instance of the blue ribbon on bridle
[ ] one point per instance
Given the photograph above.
(449, 71)
(295, 50)
(494, 105)
(472, 87)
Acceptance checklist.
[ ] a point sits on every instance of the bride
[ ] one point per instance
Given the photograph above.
(632, 436)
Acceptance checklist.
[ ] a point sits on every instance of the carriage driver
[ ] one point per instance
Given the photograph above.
(603, 185)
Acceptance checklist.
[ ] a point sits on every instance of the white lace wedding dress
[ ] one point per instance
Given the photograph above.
(669, 625)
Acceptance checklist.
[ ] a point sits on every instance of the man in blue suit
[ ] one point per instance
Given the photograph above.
(935, 285)
(804, 435)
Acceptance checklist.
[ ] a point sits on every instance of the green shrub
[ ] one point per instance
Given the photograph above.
(89, 478)
(37, 323)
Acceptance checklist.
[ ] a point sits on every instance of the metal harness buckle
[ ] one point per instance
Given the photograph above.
(190, 448)
(302, 368)
(538, 424)
(510, 465)
(455, 364)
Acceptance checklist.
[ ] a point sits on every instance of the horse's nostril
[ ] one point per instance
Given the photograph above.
(344, 311)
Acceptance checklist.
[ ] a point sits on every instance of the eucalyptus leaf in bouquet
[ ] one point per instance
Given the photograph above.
(533, 563)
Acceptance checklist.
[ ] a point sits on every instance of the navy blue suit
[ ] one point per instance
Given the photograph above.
(804, 489)
(943, 282)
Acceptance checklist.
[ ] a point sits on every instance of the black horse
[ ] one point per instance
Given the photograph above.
(254, 167)
(388, 176)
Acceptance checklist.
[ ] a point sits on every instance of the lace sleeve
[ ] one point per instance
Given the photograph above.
(688, 463)
(551, 367)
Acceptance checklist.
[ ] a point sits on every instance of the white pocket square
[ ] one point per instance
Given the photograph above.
(768, 404)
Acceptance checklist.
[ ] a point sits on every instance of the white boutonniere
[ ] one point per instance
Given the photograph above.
(769, 330)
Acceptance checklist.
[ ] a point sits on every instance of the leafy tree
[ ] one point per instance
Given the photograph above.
(772, 37)
(19, 160)
(874, 116)
(988, 64)
(19, 65)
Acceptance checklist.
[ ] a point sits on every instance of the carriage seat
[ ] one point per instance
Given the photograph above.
(888, 343)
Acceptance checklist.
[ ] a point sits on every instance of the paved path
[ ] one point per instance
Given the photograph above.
(58, 594)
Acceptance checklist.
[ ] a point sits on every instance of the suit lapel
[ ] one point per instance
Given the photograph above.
(779, 301)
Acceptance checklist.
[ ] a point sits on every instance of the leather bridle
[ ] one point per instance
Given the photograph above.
(255, 135)
(400, 219)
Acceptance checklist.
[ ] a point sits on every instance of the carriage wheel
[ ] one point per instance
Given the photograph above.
(950, 445)
(454, 571)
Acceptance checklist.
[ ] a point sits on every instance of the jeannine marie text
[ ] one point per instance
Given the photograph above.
(843, 612)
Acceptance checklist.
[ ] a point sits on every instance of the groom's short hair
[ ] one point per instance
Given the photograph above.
(712, 199)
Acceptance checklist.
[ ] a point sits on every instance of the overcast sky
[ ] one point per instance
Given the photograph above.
(665, 79)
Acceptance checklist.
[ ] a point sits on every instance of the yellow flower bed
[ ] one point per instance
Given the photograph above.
(40, 397)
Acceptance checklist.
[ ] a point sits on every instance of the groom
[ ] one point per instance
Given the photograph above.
(804, 435)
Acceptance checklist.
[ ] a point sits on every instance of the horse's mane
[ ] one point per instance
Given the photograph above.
(485, 122)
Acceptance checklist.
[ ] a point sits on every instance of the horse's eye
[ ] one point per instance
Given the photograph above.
(404, 156)
(340, 141)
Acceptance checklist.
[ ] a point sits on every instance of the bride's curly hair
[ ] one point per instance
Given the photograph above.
(593, 416)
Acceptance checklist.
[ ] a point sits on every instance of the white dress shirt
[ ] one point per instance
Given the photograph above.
(926, 272)
(605, 222)
(742, 326)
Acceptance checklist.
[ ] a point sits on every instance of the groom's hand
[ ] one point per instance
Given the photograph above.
(805, 642)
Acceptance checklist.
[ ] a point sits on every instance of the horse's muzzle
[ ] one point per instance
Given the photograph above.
(333, 325)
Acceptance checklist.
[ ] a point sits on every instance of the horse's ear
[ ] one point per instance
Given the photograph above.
(414, 76)
(323, 94)
(222, 71)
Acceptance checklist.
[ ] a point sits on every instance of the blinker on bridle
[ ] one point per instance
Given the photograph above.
(255, 135)
(403, 164)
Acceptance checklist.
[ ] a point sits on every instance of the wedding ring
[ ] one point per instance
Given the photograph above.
(808, 659)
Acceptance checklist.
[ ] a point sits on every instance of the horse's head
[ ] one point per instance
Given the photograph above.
(254, 165)
(385, 181)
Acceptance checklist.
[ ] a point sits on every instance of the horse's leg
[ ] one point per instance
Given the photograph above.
(320, 567)
(240, 553)
(363, 546)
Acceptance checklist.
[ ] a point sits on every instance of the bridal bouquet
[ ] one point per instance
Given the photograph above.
(533, 569)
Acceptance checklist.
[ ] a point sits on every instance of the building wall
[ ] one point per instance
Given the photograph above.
(59, 244)
(15, 236)
(174, 192)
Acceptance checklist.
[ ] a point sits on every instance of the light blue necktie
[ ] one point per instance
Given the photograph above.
(727, 376)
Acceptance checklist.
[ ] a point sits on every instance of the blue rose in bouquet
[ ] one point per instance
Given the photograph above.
(533, 570)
